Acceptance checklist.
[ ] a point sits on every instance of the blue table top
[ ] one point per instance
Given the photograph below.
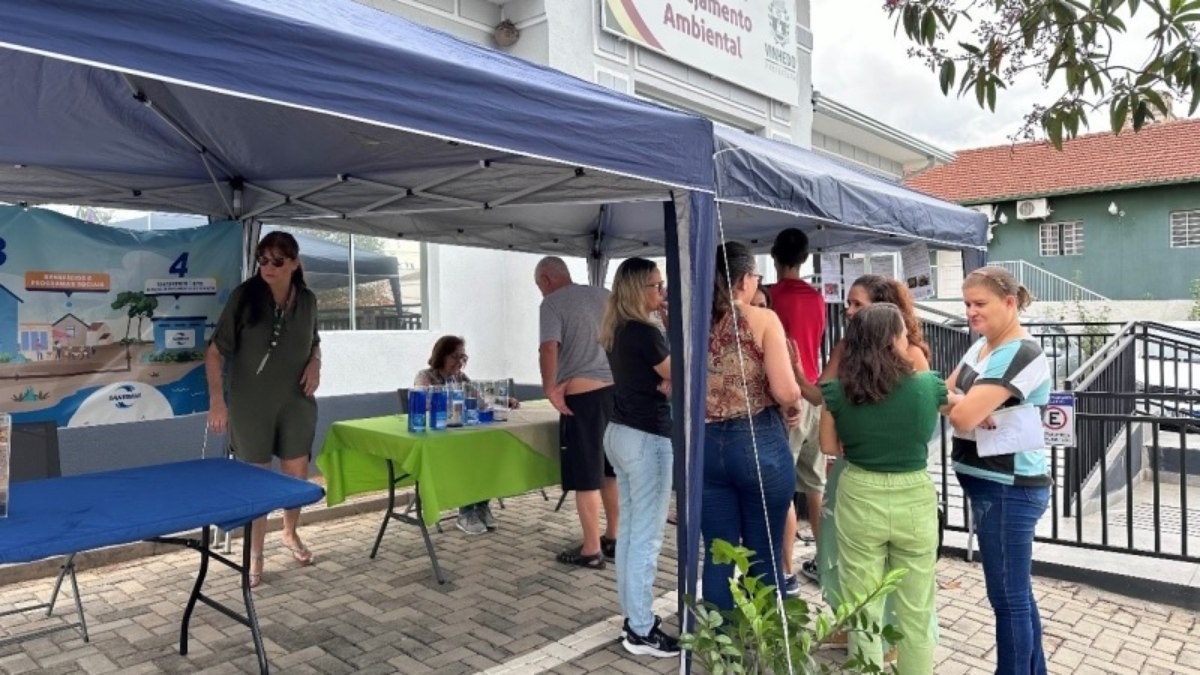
(58, 516)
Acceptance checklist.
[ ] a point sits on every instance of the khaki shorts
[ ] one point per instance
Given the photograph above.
(806, 450)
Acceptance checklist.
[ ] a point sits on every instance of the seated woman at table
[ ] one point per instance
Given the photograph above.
(446, 365)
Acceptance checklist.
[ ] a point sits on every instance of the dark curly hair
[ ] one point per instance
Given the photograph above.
(882, 289)
(871, 368)
(443, 348)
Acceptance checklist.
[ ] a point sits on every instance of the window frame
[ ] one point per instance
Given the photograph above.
(1191, 227)
(1067, 239)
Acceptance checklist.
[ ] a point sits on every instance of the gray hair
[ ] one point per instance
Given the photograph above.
(552, 266)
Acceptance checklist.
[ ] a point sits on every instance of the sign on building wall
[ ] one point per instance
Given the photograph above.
(751, 43)
(100, 324)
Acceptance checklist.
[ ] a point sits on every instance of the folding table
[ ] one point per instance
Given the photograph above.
(448, 468)
(63, 516)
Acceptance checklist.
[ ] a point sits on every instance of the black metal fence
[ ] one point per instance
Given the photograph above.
(1129, 482)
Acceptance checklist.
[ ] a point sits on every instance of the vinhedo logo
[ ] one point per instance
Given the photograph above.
(125, 396)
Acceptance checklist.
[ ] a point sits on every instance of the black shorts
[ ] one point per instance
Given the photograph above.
(584, 465)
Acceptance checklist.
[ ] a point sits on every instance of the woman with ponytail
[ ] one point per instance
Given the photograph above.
(268, 335)
(1003, 381)
(747, 461)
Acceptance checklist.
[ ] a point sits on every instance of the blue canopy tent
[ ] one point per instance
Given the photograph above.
(329, 114)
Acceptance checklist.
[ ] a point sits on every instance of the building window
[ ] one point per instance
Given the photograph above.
(388, 280)
(1061, 239)
(1185, 229)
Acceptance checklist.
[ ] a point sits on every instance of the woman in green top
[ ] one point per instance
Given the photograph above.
(879, 415)
(268, 335)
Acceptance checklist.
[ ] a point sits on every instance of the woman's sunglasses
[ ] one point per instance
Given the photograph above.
(264, 260)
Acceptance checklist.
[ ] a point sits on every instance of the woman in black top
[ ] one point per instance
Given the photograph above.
(638, 445)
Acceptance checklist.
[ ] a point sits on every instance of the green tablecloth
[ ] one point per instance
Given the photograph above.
(455, 467)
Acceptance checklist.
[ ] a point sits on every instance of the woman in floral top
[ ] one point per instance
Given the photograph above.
(747, 462)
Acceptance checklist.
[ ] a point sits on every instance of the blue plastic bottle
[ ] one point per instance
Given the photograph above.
(437, 408)
(417, 404)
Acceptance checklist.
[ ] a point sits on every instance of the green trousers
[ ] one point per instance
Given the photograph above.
(888, 521)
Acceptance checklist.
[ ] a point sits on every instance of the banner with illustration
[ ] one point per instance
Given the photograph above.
(100, 325)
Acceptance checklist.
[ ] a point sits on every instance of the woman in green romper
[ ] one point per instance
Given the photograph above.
(267, 335)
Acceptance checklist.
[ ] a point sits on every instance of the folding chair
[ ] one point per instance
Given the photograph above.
(34, 455)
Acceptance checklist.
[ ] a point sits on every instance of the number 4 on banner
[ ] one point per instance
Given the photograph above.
(179, 267)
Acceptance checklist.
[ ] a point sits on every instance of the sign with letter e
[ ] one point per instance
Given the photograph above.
(1058, 419)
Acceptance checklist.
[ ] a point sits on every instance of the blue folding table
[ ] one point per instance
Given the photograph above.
(63, 516)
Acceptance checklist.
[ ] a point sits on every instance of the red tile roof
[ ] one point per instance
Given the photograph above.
(1162, 153)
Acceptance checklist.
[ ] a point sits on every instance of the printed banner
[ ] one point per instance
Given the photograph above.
(100, 325)
(5, 460)
(884, 265)
(852, 269)
(831, 277)
(751, 43)
(918, 273)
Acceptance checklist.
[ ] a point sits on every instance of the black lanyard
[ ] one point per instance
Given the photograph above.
(280, 316)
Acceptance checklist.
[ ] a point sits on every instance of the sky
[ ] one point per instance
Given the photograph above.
(859, 61)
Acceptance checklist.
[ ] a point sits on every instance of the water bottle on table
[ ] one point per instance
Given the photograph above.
(418, 406)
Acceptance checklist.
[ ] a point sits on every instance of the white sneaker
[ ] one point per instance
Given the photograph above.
(485, 515)
(470, 522)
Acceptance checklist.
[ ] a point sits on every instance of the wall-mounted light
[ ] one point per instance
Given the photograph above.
(1003, 219)
(1114, 210)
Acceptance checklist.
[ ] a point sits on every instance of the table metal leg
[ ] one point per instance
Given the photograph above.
(250, 619)
(404, 517)
(561, 499)
(68, 570)
(420, 522)
(391, 508)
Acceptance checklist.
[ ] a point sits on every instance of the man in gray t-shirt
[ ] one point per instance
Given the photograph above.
(577, 380)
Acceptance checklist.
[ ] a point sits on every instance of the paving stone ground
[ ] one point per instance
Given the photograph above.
(507, 607)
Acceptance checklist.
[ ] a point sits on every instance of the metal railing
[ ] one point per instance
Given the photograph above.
(1128, 484)
(1046, 285)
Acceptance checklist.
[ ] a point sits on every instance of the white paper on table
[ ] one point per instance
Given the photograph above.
(1017, 429)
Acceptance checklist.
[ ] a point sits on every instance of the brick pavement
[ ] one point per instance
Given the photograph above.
(507, 607)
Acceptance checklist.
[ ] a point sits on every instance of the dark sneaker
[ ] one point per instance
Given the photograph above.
(485, 515)
(469, 522)
(809, 569)
(657, 643)
(791, 586)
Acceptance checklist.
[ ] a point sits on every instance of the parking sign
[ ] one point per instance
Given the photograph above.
(1058, 419)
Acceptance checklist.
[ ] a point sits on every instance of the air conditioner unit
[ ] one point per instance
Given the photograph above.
(988, 210)
(1029, 209)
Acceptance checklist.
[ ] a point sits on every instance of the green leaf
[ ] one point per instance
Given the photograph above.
(946, 76)
(991, 95)
(929, 27)
(1054, 129)
(1140, 113)
(1157, 100)
(971, 49)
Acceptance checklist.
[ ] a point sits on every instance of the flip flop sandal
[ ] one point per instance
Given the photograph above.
(300, 553)
(575, 556)
(608, 547)
(255, 577)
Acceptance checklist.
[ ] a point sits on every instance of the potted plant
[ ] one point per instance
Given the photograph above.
(754, 639)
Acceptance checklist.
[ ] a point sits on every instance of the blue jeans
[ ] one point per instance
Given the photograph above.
(1005, 518)
(733, 501)
(643, 464)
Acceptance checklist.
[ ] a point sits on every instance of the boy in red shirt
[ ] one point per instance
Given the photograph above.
(801, 309)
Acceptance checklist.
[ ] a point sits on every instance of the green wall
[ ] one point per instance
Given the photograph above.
(1125, 257)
